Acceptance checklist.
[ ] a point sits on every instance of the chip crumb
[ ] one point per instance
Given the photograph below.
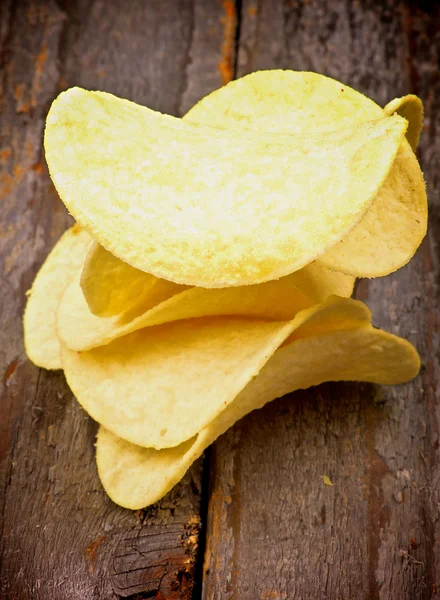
(327, 481)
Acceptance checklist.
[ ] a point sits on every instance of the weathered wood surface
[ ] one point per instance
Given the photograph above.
(275, 531)
(61, 536)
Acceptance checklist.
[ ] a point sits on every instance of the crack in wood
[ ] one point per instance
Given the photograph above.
(230, 20)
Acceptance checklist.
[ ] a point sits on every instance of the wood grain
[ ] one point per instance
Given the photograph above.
(275, 530)
(62, 538)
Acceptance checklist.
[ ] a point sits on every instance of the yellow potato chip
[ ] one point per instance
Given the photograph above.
(290, 102)
(160, 385)
(177, 377)
(392, 229)
(207, 207)
(40, 337)
(111, 287)
(135, 477)
(283, 102)
(276, 300)
(409, 107)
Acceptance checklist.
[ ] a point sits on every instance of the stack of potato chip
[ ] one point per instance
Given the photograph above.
(212, 263)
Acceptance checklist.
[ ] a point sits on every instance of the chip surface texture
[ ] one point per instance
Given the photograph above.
(239, 207)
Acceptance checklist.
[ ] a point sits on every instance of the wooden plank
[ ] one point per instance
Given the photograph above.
(275, 530)
(62, 538)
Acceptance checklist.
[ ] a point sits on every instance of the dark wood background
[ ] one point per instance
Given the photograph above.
(254, 520)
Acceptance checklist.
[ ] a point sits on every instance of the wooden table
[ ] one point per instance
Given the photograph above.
(254, 519)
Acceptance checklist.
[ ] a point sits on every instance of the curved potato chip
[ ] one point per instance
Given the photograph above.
(159, 386)
(111, 287)
(277, 300)
(409, 107)
(283, 102)
(240, 208)
(392, 229)
(290, 102)
(168, 376)
(39, 321)
(135, 477)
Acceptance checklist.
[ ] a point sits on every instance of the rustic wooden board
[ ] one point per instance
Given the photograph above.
(62, 538)
(275, 530)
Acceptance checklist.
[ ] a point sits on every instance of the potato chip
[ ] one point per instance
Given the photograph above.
(111, 287)
(135, 477)
(210, 207)
(277, 300)
(160, 385)
(40, 337)
(290, 102)
(409, 107)
(392, 229)
(177, 377)
(283, 102)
